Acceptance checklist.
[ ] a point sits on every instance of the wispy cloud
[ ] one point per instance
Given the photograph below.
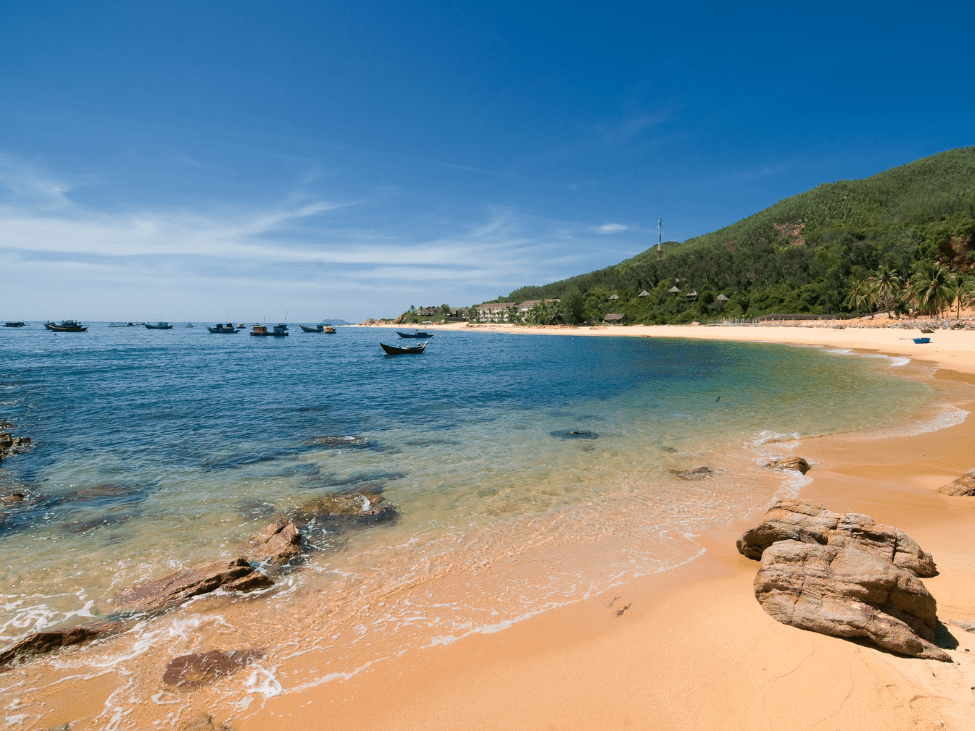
(611, 228)
(25, 184)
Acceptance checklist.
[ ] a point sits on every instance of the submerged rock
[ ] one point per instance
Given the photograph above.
(348, 509)
(160, 594)
(575, 434)
(843, 591)
(697, 473)
(964, 486)
(198, 669)
(331, 442)
(797, 464)
(42, 643)
(809, 522)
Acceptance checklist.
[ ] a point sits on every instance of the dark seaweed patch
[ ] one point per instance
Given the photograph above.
(85, 526)
(574, 434)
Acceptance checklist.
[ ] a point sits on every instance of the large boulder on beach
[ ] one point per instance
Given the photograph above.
(844, 591)
(277, 544)
(159, 594)
(806, 521)
(964, 486)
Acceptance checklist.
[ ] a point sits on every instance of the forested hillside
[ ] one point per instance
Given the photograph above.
(900, 240)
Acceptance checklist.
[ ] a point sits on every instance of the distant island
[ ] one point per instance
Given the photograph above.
(899, 241)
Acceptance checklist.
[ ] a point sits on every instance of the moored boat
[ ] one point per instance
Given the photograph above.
(279, 331)
(409, 350)
(415, 334)
(159, 326)
(66, 326)
(14, 324)
(227, 329)
(320, 328)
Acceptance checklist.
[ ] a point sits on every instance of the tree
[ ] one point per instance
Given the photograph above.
(859, 294)
(960, 292)
(886, 288)
(929, 288)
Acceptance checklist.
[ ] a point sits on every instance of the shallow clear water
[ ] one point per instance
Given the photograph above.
(156, 449)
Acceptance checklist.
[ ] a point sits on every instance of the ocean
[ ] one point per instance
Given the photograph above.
(527, 472)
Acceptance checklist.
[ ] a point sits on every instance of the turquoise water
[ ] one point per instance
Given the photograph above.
(528, 472)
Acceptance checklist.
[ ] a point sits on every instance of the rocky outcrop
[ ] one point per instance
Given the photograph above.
(798, 464)
(12, 445)
(41, 643)
(160, 594)
(846, 592)
(198, 669)
(809, 522)
(275, 545)
(964, 486)
(844, 575)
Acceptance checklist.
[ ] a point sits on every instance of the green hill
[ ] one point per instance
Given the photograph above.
(805, 254)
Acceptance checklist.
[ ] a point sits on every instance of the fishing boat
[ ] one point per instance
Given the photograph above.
(326, 328)
(227, 329)
(279, 331)
(409, 350)
(921, 341)
(66, 326)
(14, 324)
(415, 334)
(159, 326)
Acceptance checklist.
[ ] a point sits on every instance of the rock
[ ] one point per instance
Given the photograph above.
(797, 464)
(338, 442)
(574, 434)
(348, 508)
(12, 498)
(844, 591)
(153, 596)
(277, 544)
(6, 441)
(42, 643)
(198, 669)
(809, 522)
(964, 486)
(202, 723)
(696, 473)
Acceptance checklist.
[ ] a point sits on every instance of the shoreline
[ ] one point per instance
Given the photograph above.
(693, 648)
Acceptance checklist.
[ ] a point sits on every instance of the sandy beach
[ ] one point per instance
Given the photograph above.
(691, 648)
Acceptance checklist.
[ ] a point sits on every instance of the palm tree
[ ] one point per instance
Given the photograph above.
(960, 292)
(859, 293)
(887, 288)
(930, 288)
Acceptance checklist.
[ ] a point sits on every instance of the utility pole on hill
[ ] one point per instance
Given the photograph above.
(660, 237)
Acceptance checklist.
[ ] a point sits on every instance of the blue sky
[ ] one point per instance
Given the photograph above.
(212, 160)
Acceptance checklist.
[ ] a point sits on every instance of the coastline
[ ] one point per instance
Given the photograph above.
(694, 649)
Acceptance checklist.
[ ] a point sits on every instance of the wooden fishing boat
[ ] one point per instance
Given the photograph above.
(410, 350)
(159, 326)
(66, 326)
(321, 328)
(14, 324)
(415, 334)
(921, 341)
(227, 329)
(279, 331)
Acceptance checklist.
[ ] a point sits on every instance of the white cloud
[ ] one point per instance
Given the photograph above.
(611, 228)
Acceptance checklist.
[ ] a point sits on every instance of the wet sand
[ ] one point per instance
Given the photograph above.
(691, 648)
